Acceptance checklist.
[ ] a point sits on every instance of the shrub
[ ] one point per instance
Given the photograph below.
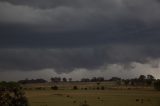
(84, 104)
(75, 87)
(102, 88)
(74, 101)
(38, 88)
(98, 83)
(98, 88)
(54, 87)
(85, 88)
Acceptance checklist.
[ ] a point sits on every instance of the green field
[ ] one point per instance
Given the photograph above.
(107, 97)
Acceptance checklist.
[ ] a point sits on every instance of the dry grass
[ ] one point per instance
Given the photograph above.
(107, 97)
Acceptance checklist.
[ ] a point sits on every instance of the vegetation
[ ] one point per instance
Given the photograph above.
(75, 87)
(54, 87)
(27, 81)
(95, 92)
(109, 97)
(11, 94)
(102, 87)
(157, 85)
(84, 104)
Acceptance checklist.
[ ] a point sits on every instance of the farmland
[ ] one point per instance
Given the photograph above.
(91, 94)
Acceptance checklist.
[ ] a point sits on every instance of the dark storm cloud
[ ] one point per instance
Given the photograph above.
(66, 60)
(60, 59)
(24, 37)
(78, 13)
(64, 35)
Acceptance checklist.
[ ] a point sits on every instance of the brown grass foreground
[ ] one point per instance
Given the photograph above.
(112, 95)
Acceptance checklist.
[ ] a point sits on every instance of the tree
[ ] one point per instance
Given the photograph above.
(64, 79)
(142, 78)
(157, 85)
(150, 79)
(100, 79)
(52, 79)
(56, 79)
(126, 82)
(70, 79)
(94, 79)
(133, 82)
(85, 80)
(115, 79)
(12, 94)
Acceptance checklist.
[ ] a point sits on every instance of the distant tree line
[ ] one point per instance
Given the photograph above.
(142, 80)
(59, 79)
(27, 81)
(94, 79)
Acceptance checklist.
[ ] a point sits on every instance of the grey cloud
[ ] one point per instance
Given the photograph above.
(66, 60)
(79, 13)
(64, 35)
(107, 71)
(44, 4)
(62, 60)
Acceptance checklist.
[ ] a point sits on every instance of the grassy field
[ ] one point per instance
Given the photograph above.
(107, 97)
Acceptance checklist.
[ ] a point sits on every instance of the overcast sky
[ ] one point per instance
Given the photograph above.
(79, 38)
